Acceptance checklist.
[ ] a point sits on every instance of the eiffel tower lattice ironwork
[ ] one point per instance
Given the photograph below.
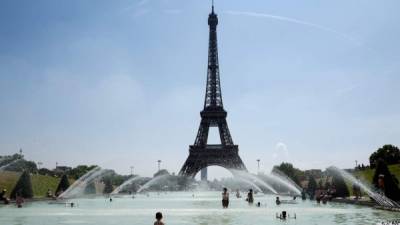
(201, 154)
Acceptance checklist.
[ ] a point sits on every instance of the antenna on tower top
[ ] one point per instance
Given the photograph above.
(212, 6)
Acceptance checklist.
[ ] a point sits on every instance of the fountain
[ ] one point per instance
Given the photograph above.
(380, 199)
(248, 176)
(250, 183)
(126, 183)
(8, 164)
(281, 178)
(153, 181)
(78, 187)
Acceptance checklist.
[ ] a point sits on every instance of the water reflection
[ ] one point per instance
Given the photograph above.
(340, 218)
(214, 219)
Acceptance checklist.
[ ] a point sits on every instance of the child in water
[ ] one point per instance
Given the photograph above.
(159, 217)
(278, 201)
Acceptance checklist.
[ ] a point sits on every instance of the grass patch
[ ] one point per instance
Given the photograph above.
(40, 183)
(368, 174)
(8, 180)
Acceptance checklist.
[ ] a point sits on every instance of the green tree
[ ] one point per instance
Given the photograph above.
(17, 163)
(7, 159)
(339, 184)
(23, 186)
(390, 154)
(391, 189)
(63, 185)
(79, 171)
(287, 168)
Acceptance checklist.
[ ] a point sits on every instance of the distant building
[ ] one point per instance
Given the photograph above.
(62, 169)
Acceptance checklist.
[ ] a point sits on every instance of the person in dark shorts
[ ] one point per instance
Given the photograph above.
(250, 198)
(225, 198)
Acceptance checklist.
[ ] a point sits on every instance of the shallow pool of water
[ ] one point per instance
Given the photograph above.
(204, 208)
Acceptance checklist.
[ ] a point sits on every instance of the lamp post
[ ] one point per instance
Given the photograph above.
(132, 167)
(158, 162)
(258, 166)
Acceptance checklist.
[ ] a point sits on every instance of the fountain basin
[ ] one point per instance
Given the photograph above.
(183, 208)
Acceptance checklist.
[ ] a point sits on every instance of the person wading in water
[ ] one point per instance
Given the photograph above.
(225, 198)
(250, 197)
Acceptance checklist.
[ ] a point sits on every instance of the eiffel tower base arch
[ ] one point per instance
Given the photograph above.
(217, 155)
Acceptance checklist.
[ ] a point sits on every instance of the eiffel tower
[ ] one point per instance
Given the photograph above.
(201, 154)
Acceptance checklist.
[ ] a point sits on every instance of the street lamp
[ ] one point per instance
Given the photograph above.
(159, 162)
(132, 167)
(258, 166)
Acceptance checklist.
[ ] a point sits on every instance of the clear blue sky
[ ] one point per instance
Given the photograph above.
(121, 83)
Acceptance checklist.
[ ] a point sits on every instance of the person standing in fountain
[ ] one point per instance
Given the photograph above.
(238, 194)
(225, 198)
(250, 197)
(159, 217)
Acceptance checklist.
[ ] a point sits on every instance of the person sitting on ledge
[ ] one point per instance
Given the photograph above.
(19, 200)
(159, 217)
(278, 202)
(3, 197)
(50, 194)
(324, 199)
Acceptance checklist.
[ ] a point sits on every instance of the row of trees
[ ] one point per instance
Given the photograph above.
(383, 180)
(389, 154)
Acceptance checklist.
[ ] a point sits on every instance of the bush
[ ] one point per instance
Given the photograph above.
(293, 173)
(23, 186)
(391, 189)
(390, 154)
(340, 185)
(63, 185)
